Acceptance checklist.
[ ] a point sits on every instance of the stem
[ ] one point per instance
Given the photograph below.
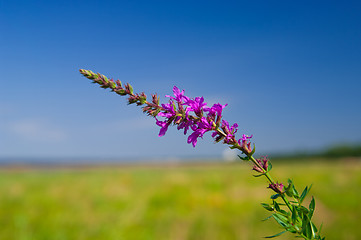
(268, 176)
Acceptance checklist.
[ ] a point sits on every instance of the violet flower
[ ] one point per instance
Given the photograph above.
(194, 115)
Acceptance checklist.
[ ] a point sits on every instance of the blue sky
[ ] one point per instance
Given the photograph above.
(290, 72)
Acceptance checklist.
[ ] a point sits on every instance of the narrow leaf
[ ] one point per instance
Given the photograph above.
(295, 192)
(277, 207)
(269, 166)
(311, 208)
(282, 220)
(275, 196)
(254, 149)
(243, 158)
(276, 235)
(258, 175)
(266, 218)
(267, 206)
(294, 214)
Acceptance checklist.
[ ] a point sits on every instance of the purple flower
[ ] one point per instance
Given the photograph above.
(194, 137)
(199, 129)
(229, 131)
(245, 145)
(263, 162)
(164, 125)
(168, 110)
(277, 187)
(196, 105)
(244, 139)
(216, 109)
(185, 124)
(179, 96)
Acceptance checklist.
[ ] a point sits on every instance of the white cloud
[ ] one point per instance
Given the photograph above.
(229, 155)
(36, 130)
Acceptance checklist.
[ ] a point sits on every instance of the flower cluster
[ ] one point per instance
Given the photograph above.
(262, 165)
(187, 113)
(193, 115)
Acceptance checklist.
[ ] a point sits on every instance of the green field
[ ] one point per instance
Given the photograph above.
(203, 201)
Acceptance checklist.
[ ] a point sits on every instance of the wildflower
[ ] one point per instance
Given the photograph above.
(196, 105)
(277, 187)
(179, 96)
(263, 165)
(245, 144)
(229, 131)
(164, 125)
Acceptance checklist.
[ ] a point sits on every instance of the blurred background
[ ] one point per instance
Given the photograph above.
(78, 163)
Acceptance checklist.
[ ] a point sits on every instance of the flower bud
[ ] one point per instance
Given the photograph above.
(277, 187)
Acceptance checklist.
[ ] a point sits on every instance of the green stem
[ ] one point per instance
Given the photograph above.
(268, 176)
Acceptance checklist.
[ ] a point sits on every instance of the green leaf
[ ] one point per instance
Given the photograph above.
(294, 214)
(307, 227)
(267, 206)
(277, 207)
(121, 92)
(288, 189)
(311, 207)
(314, 228)
(276, 235)
(269, 166)
(266, 218)
(130, 88)
(305, 222)
(282, 220)
(254, 149)
(303, 210)
(112, 84)
(319, 231)
(244, 158)
(275, 196)
(104, 77)
(304, 193)
(295, 192)
(156, 112)
(258, 175)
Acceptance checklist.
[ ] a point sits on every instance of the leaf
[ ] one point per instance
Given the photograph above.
(314, 228)
(266, 218)
(308, 229)
(276, 235)
(304, 193)
(254, 149)
(130, 88)
(267, 206)
(282, 220)
(269, 166)
(319, 230)
(311, 208)
(277, 207)
(104, 77)
(142, 100)
(294, 214)
(259, 175)
(295, 192)
(303, 210)
(244, 158)
(275, 196)
(121, 92)
(288, 189)
(112, 85)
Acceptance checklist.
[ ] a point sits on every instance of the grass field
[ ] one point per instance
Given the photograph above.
(208, 201)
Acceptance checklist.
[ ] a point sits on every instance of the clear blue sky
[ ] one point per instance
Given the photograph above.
(290, 72)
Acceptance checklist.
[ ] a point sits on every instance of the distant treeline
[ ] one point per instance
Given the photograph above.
(335, 152)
